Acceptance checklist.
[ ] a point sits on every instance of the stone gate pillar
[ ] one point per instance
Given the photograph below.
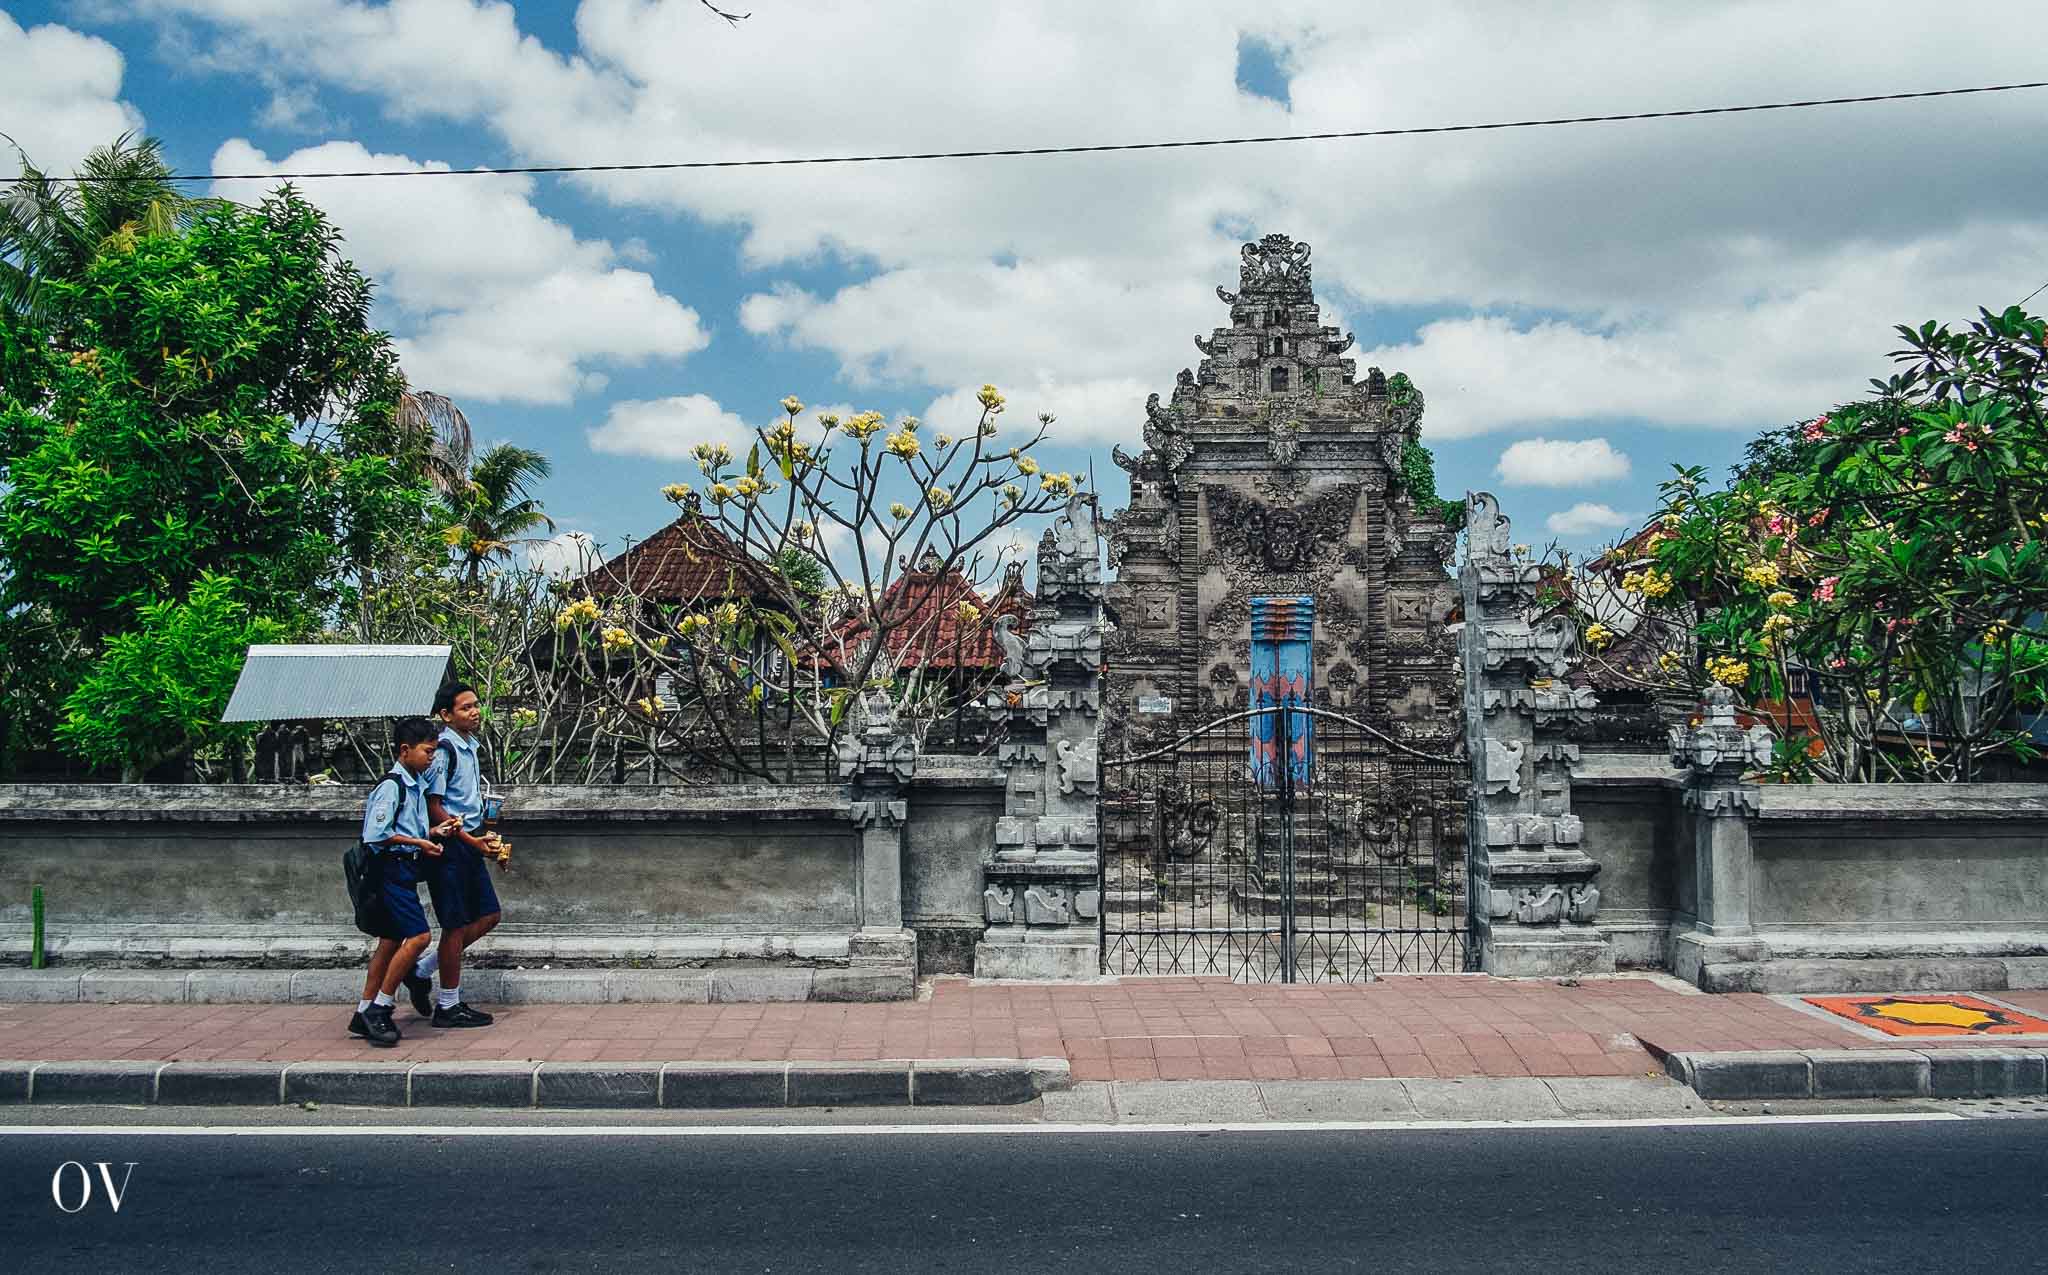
(1533, 897)
(1042, 895)
(1719, 809)
(877, 757)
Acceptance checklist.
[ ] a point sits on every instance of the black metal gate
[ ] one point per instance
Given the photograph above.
(1284, 844)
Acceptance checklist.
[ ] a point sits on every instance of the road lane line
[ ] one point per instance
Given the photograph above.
(998, 1130)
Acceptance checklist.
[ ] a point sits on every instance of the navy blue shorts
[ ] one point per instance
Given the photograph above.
(403, 916)
(460, 882)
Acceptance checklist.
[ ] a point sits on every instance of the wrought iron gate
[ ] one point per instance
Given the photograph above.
(1284, 844)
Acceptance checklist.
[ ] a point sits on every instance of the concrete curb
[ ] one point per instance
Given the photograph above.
(897, 1082)
(748, 985)
(1862, 1073)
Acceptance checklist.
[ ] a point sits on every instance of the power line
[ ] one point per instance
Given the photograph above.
(1015, 152)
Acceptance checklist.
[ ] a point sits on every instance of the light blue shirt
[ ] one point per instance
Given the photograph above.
(460, 789)
(398, 809)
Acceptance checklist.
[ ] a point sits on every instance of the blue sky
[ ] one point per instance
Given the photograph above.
(1581, 308)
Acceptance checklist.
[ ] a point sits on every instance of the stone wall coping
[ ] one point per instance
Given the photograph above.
(2015, 803)
(2012, 803)
(246, 803)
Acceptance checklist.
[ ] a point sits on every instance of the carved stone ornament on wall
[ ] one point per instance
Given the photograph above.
(1283, 539)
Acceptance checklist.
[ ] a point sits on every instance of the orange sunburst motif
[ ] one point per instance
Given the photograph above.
(1931, 1015)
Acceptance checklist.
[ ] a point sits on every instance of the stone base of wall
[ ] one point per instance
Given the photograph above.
(729, 982)
(1559, 951)
(1849, 962)
(1006, 953)
(946, 949)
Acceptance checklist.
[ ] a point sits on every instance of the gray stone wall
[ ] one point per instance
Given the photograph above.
(250, 875)
(1847, 887)
(954, 804)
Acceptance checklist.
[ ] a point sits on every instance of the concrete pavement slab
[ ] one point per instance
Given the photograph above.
(1624, 1097)
(220, 1084)
(473, 1084)
(703, 1085)
(564, 1084)
(124, 1083)
(1186, 1101)
(853, 1084)
(1372, 1099)
(356, 1084)
(1986, 1073)
(1483, 1098)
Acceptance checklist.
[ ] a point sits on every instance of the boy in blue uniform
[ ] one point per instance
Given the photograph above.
(465, 901)
(395, 821)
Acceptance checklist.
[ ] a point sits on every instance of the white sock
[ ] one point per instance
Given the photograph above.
(427, 964)
(384, 999)
(361, 1006)
(448, 997)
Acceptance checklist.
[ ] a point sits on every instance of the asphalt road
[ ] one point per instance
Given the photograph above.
(1954, 1195)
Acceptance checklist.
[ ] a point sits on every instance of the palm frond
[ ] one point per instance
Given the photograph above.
(451, 444)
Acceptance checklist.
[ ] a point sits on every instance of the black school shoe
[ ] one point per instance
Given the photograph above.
(461, 1015)
(421, 990)
(377, 1027)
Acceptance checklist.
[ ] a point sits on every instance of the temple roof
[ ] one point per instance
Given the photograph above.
(931, 632)
(688, 561)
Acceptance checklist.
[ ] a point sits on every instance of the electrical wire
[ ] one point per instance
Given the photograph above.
(1104, 148)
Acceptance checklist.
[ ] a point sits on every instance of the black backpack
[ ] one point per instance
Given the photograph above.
(362, 869)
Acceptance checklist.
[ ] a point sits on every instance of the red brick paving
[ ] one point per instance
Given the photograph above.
(1133, 1029)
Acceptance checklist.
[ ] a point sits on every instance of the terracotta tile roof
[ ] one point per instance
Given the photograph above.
(931, 632)
(690, 560)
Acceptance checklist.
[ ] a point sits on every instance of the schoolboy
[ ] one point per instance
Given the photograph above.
(465, 901)
(395, 821)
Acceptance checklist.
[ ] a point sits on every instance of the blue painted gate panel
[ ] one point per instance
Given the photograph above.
(1281, 631)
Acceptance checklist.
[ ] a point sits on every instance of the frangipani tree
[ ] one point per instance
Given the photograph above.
(1890, 552)
(824, 551)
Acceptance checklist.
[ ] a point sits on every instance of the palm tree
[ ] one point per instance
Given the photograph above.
(50, 230)
(498, 510)
(450, 444)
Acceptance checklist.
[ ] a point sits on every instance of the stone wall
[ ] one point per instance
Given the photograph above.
(250, 875)
(1879, 887)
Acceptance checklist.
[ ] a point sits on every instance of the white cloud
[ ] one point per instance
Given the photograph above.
(1585, 518)
(1556, 462)
(565, 557)
(60, 96)
(667, 428)
(494, 301)
(1728, 273)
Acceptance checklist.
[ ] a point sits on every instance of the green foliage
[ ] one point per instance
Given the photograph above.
(496, 508)
(222, 406)
(159, 688)
(1418, 475)
(1893, 550)
(803, 571)
(50, 231)
(202, 397)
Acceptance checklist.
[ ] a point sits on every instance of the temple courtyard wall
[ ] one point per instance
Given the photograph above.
(734, 892)
(1845, 887)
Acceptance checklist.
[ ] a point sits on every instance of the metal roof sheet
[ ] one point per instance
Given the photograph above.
(296, 683)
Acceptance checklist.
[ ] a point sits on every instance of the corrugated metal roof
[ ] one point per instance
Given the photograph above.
(295, 683)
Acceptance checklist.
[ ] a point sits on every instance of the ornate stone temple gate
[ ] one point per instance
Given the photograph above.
(1284, 843)
(1282, 790)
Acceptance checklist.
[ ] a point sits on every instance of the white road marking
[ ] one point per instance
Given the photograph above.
(1000, 1130)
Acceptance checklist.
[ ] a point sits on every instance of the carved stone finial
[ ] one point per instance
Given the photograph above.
(1717, 753)
(1488, 537)
(1014, 653)
(1274, 264)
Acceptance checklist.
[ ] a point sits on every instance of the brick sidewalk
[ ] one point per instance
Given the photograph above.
(1136, 1029)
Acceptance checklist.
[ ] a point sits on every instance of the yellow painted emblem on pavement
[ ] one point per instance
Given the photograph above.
(1932, 1015)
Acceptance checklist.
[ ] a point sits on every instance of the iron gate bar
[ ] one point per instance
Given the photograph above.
(1351, 872)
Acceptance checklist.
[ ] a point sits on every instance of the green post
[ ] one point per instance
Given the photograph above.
(35, 909)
